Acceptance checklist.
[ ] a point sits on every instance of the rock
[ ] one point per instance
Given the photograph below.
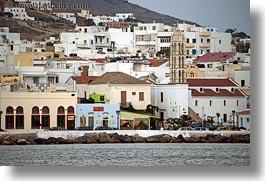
(91, 139)
(103, 137)
(7, 143)
(39, 141)
(52, 140)
(179, 139)
(137, 139)
(126, 139)
(22, 142)
(81, 139)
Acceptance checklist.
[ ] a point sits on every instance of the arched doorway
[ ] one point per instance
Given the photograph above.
(70, 118)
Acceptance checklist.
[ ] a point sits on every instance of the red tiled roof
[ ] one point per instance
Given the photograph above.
(156, 63)
(84, 79)
(221, 93)
(246, 112)
(117, 78)
(215, 57)
(99, 60)
(211, 82)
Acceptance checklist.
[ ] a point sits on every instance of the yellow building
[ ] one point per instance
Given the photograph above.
(192, 71)
(37, 110)
(27, 58)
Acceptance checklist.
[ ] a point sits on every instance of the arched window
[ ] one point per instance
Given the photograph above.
(45, 118)
(35, 118)
(19, 118)
(61, 117)
(9, 118)
(70, 110)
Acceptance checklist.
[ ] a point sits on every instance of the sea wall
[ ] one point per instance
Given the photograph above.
(119, 136)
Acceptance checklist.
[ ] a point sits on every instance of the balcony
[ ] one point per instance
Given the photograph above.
(204, 45)
(190, 45)
(204, 33)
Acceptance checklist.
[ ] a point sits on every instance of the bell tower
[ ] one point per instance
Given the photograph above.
(177, 62)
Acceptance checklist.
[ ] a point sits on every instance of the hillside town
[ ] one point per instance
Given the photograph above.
(119, 73)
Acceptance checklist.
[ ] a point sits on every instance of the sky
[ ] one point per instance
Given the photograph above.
(222, 14)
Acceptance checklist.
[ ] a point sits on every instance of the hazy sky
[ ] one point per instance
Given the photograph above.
(222, 14)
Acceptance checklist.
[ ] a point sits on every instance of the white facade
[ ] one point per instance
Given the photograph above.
(208, 105)
(201, 40)
(123, 16)
(242, 77)
(68, 16)
(145, 36)
(19, 13)
(171, 99)
(85, 43)
(122, 38)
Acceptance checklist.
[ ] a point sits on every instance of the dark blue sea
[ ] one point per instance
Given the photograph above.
(126, 155)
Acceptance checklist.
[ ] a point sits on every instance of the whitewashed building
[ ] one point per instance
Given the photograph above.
(68, 16)
(19, 13)
(201, 40)
(209, 96)
(171, 99)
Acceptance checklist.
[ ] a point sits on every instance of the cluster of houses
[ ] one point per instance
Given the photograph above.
(48, 83)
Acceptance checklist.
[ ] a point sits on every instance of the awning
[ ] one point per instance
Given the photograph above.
(132, 116)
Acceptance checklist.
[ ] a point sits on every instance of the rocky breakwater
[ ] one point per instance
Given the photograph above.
(100, 138)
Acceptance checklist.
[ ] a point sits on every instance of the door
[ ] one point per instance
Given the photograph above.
(123, 98)
(70, 122)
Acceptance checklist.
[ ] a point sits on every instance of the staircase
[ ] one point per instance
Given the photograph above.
(194, 115)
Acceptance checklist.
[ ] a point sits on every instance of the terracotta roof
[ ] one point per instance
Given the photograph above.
(84, 79)
(117, 78)
(99, 60)
(211, 82)
(215, 57)
(156, 63)
(221, 93)
(246, 112)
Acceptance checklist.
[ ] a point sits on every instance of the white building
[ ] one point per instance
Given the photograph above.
(19, 13)
(145, 37)
(171, 99)
(86, 43)
(201, 40)
(68, 16)
(120, 17)
(9, 45)
(209, 96)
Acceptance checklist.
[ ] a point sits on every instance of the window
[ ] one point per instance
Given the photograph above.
(201, 51)
(91, 42)
(210, 66)
(242, 83)
(208, 40)
(133, 93)
(224, 102)
(45, 118)
(36, 80)
(71, 110)
(217, 89)
(201, 89)
(247, 120)
(141, 96)
(9, 118)
(154, 28)
(232, 90)
(193, 40)
(193, 51)
(196, 102)
(61, 117)
(161, 97)
(220, 41)
(201, 40)
(210, 102)
(188, 51)
(19, 118)
(188, 40)
(35, 118)
(225, 118)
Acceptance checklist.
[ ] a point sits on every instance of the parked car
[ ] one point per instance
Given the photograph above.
(201, 129)
(56, 129)
(185, 129)
(104, 128)
(84, 128)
